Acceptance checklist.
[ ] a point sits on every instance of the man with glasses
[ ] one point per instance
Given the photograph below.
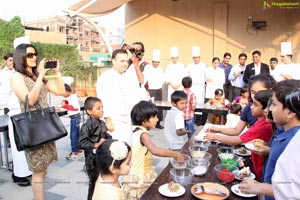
(236, 75)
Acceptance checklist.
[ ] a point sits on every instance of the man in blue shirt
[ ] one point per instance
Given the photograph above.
(227, 87)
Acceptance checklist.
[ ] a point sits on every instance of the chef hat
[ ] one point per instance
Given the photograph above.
(174, 52)
(156, 55)
(286, 48)
(21, 40)
(195, 51)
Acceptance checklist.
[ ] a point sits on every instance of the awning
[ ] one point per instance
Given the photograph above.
(97, 7)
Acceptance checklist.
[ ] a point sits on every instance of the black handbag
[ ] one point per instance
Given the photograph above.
(37, 127)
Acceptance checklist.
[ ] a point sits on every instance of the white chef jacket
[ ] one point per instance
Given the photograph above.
(197, 73)
(174, 74)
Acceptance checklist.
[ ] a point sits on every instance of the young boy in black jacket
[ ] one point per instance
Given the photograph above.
(93, 132)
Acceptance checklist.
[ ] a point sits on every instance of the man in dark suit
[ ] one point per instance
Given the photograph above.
(256, 67)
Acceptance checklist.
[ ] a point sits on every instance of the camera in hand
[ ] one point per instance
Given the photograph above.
(137, 53)
(242, 72)
(51, 64)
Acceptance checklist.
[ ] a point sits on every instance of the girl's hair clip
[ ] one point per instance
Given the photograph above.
(118, 151)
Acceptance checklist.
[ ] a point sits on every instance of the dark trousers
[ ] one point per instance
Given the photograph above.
(90, 160)
(227, 87)
(236, 92)
(157, 94)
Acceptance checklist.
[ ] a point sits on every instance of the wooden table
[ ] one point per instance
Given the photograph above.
(166, 105)
(164, 177)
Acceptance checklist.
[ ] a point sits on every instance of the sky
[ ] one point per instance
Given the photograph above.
(29, 10)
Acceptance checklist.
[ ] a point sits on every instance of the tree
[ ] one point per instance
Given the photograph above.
(9, 30)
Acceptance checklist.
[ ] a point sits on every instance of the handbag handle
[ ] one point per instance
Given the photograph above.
(37, 105)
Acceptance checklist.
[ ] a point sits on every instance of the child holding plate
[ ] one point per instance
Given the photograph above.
(261, 129)
(285, 111)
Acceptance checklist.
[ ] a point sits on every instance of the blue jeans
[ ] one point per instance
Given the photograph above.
(189, 125)
(74, 131)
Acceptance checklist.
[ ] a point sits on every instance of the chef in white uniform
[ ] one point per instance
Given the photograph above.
(175, 72)
(196, 70)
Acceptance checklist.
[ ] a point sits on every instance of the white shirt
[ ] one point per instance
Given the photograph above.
(237, 82)
(218, 79)
(197, 72)
(135, 91)
(232, 120)
(257, 68)
(286, 177)
(291, 69)
(5, 89)
(73, 101)
(111, 90)
(154, 76)
(174, 120)
(273, 73)
(174, 74)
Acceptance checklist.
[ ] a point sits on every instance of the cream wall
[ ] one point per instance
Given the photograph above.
(46, 37)
(216, 26)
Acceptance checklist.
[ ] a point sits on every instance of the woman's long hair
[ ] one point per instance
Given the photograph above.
(20, 63)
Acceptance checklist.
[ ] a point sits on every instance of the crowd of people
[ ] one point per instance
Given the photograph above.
(115, 138)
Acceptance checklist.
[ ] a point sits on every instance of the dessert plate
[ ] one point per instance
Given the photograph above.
(164, 190)
(250, 146)
(252, 176)
(235, 189)
(237, 152)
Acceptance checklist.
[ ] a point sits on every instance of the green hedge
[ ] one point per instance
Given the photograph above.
(70, 61)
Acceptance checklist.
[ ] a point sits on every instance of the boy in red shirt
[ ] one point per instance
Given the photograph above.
(188, 111)
(261, 129)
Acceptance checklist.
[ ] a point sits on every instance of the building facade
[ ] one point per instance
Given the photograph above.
(216, 26)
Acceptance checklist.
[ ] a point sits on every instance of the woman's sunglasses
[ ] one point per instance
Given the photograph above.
(30, 55)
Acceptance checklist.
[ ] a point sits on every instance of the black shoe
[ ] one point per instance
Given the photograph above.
(159, 126)
(21, 181)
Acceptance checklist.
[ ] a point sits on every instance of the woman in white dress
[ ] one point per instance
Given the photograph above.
(215, 78)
